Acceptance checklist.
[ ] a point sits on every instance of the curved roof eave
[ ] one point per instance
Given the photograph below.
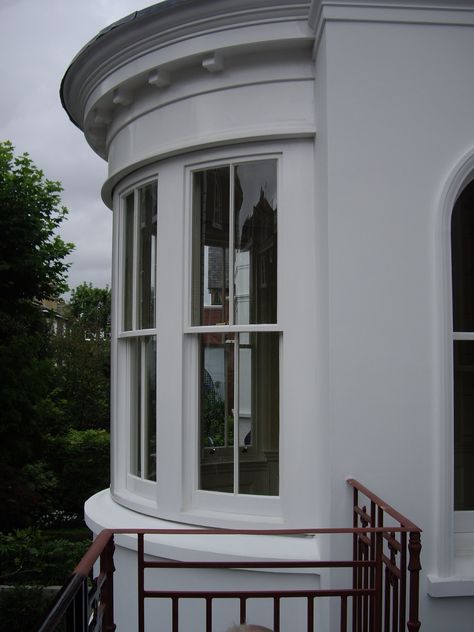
(175, 16)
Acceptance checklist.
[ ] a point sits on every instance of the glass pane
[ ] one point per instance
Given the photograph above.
(216, 412)
(259, 425)
(255, 253)
(147, 249)
(149, 400)
(134, 349)
(128, 263)
(462, 252)
(464, 425)
(142, 357)
(210, 246)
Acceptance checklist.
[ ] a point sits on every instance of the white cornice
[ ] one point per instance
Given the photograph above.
(435, 12)
(175, 22)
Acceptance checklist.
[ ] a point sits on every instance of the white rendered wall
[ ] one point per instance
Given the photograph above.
(398, 119)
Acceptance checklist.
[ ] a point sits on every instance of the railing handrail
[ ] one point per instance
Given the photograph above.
(388, 509)
(93, 553)
(309, 531)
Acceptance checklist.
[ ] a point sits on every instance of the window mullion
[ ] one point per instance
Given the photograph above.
(136, 255)
(231, 246)
(143, 408)
(236, 414)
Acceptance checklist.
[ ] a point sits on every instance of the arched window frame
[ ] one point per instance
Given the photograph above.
(448, 523)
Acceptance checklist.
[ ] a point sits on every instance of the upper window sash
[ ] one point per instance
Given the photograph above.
(234, 244)
(462, 268)
(138, 261)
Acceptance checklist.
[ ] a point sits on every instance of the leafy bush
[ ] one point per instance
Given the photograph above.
(28, 556)
(81, 461)
(23, 609)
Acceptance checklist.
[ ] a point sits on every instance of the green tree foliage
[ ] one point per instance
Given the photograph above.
(82, 360)
(23, 608)
(32, 256)
(80, 460)
(32, 267)
(89, 308)
(27, 557)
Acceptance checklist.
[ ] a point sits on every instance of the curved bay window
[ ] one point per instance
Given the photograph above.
(462, 252)
(234, 317)
(137, 336)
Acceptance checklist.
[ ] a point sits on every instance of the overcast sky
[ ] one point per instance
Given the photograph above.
(38, 40)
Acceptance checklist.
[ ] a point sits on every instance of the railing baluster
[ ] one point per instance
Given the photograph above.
(403, 581)
(377, 598)
(355, 556)
(310, 614)
(209, 614)
(373, 555)
(243, 609)
(107, 569)
(343, 613)
(366, 585)
(276, 614)
(141, 582)
(387, 601)
(395, 605)
(414, 568)
(175, 619)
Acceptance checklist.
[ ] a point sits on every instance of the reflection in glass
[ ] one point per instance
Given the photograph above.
(247, 230)
(134, 349)
(216, 412)
(462, 250)
(143, 407)
(464, 425)
(239, 404)
(259, 387)
(462, 264)
(210, 246)
(149, 413)
(128, 262)
(255, 250)
(147, 247)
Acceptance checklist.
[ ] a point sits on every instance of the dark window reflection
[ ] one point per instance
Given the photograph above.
(211, 246)
(462, 253)
(462, 246)
(464, 425)
(255, 254)
(247, 364)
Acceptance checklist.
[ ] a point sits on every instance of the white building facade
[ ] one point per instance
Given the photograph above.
(292, 189)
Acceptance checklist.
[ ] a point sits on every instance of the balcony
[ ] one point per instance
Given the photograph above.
(377, 589)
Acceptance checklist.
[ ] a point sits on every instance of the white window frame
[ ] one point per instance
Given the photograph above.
(453, 528)
(195, 499)
(463, 520)
(175, 495)
(137, 485)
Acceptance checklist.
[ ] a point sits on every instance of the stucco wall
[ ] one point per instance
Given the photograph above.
(399, 119)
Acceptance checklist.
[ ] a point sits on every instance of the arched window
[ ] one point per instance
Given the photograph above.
(462, 259)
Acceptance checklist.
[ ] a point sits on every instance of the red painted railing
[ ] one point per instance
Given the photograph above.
(382, 595)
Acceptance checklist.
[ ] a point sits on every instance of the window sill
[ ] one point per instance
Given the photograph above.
(460, 583)
(102, 512)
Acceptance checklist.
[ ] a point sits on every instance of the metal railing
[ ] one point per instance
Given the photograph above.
(382, 594)
(396, 574)
(86, 603)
